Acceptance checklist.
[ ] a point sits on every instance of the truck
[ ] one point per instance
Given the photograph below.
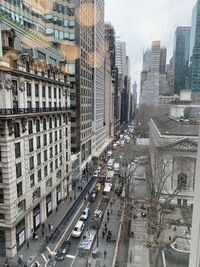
(116, 168)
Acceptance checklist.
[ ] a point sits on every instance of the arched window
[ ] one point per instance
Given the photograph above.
(182, 181)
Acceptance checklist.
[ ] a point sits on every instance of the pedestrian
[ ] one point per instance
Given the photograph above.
(105, 254)
(49, 227)
(42, 233)
(108, 213)
(27, 244)
(25, 264)
(56, 208)
(107, 237)
(103, 234)
(70, 199)
(43, 226)
(108, 218)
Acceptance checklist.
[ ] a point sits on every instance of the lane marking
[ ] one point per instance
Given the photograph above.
(44, 258)
(70, 256)
(51, 252)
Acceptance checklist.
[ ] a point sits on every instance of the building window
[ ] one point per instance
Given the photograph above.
(1, 175)
(28, 89)
(55, 92)
(30, 127)
(51, 152)
(37, 105)
(43, 91)
(60, 147)
(16, 130)
(38, 143)
(0, 155)
(67, 168)
(36, 194)
(17, 150)
(44, 140)
(15, 105)
(59, 92)
(39, 175)
(36, 90)
(38, 159)
(32, 180)
(18, 170)
(19, 189)
(50, 123)
(45, 155)
(50, 138)
(182, 181)
(56, 164)
(58, 175)
(44, 124)
(37, 125)
(31, 145)
(49, 92)
(14, 87)
(31, 163)
(60, 160)
(51, 167)
(21, 207)
(55, 122)
(45, 171)
(60, 134)
(2, 216)
(56, 149)
(49, 184)
(56, 136)
(60, 121)
(1, 195)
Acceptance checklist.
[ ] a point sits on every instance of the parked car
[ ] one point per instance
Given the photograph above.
(98, 169)
(63, 250)
(78, 229)
(96, 174)
(85, 214)
(93, 196)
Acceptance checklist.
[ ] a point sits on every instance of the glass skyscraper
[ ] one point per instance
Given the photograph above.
(181, 58)
(195, 49)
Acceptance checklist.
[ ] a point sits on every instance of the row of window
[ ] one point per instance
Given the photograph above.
(45, 92)
(42, 126)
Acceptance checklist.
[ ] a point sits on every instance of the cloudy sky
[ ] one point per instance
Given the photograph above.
(138, 22)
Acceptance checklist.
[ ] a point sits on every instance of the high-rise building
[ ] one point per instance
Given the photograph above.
(110, 37)
(35, 132)
(195, 49)
(181, 58)
(163, 56)
(120, 57)
(98, 81)
(147, 60)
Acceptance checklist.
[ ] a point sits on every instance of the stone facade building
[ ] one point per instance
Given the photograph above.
(35, 150)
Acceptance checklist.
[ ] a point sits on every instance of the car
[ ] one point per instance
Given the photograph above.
(78, 229)
(93, 195)
(63, 250)
(85, 214)
(96, 174)
(98, 169)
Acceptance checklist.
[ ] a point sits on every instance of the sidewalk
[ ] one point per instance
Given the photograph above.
(35, 246)
(138, 255)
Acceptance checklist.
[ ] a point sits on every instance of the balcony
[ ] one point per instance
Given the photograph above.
(22, 111)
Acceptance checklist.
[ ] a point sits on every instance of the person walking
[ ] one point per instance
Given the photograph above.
(107, 237)
(103, 234)
(108, 213)
(105, 254)
(27, 244)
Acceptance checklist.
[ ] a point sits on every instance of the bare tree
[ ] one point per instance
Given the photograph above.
(158, 174)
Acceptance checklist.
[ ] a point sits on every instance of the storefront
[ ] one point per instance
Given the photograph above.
(58, 194)
(48, 205)
(2, 244)
(36, 218)
(20, 234)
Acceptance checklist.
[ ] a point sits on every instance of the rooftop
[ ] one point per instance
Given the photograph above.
(170, 126)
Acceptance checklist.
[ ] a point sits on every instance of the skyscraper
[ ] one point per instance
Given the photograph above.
(120, 57)
(195, 49)
(98, 80)
(181, 58)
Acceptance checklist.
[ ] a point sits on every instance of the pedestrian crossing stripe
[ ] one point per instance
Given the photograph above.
(70, 256)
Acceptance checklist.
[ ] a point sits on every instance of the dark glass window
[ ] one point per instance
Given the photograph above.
(18, 170)
(44, 140)
(17, 150)
(39, 174)
(32, 180)
(31, 148)
(16, 130)
(28, 89)
(14, 87)
(19, 189)
(38, 142)
(1, 195)
(30, 127)
(43, 91)
(31, 163)
(37, 125)
(36, 90)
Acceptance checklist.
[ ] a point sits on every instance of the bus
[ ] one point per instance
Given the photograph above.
(110, 164)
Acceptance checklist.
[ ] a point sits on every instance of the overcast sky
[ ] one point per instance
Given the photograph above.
(138, 22)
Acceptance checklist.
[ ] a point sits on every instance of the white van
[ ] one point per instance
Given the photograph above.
(78, 229)
(85, 214)
(109, 153)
